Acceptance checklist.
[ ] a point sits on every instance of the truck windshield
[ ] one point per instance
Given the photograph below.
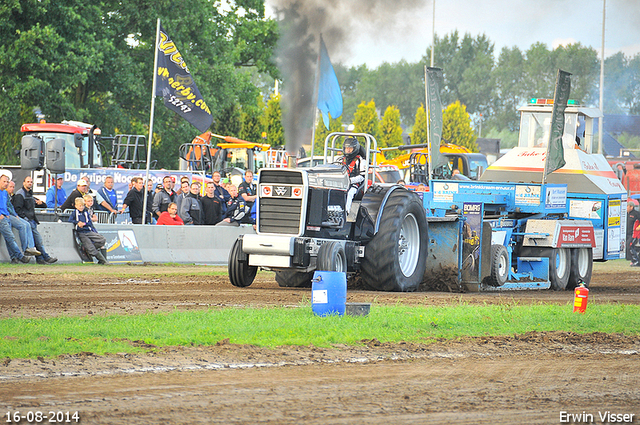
(72, 153)
(535, 128)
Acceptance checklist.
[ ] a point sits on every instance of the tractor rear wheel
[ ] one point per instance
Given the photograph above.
(395, 259)
(294, 279)
(241, 274)
(331, 257)
(581, 267)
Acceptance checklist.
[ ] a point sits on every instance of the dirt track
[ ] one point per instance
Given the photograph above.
(524, 379)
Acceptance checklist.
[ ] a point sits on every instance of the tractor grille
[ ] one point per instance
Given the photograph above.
(280, 215)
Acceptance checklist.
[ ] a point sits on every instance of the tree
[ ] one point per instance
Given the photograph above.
(390, 131)
(419, 131)
(94, 63)
(273, 122)
(366, 119)
(322, 133)
(456, 127)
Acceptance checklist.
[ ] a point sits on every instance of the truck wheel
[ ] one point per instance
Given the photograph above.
(559, 268)
(395, 259)
(499, 266)
(581, 267)
(331, 258)
(241, 274)
(294, 279)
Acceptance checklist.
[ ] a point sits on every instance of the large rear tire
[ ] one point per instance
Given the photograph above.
(241, 274)
(581, 267)
(294, 279)
(331, 257)
(395, 259)
(500, 266)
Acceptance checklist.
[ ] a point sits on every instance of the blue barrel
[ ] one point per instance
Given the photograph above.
(328, 293)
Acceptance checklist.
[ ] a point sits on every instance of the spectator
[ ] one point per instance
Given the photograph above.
(247, 189)
(88, 206)
(421, 188)
(25, 205)
(237, 210)
(5, 226)
(170, 217)
(92, 242)
(401, 182)
(633, 225)
(80, 190)
(180, 195)
(162, 199)
(134, 201)
(106, 197)
(191, 208)
(211, 205)
(89, 190)
(56, 195)
(179, 191)
(22, 225)
(219, 191)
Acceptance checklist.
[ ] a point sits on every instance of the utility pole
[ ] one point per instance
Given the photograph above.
(433, 32)
(601, 123)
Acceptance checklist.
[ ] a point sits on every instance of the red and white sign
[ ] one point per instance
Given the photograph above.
(573, 236)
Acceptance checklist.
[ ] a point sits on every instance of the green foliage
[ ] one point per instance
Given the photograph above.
(321, 133)
(273, 122)
(629, 141)
(456, 127)
(93, 63)
(390, 131)
(508, 139)
(419, 131)
(366, 120)
(272, 327)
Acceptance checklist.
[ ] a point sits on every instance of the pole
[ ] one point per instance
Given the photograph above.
(433, 33)
(601, 124)
(153, 103)
(426, 111)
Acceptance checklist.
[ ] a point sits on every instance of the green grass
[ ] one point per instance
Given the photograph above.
(270, 327)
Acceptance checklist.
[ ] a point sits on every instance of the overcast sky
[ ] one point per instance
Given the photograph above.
(506, 23)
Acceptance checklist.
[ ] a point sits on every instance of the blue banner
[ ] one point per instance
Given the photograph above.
(329, 94)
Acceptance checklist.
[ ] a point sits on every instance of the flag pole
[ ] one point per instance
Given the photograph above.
(316, 90)
(153, 103)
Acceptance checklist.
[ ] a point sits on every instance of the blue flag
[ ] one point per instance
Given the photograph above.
(329, 94)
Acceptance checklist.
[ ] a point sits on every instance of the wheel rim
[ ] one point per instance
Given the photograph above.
(409, 245)
(562, 263)
(583, 262)
(341, 260)
(502, 266)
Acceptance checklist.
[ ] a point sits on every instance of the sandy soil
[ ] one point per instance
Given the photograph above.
(528, 378)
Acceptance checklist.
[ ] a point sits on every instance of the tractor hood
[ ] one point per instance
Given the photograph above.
(582, 173)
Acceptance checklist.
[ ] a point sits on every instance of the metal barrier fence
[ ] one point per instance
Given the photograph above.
(104, 217)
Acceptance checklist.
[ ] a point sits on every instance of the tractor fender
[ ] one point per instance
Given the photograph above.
(375, 200)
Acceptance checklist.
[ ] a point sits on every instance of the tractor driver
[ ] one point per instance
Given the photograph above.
(352, 161)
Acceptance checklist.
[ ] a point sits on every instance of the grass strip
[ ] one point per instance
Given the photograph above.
(271, 327)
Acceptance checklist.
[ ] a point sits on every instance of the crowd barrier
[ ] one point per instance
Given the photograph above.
(143, 243)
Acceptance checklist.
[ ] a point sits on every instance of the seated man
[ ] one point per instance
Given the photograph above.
(170, 216)
(91, 240)
(353, 162)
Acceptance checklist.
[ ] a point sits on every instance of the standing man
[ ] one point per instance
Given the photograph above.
(106, 198)
(219, 191)
(633, 220)
(25, 204)
(247, 189)
(81, 189)
(162, 199)
(134, 200)
(5, 225)
(211, 206)
(56, 195)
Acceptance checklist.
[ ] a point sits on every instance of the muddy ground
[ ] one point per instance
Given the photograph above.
(529, 378)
